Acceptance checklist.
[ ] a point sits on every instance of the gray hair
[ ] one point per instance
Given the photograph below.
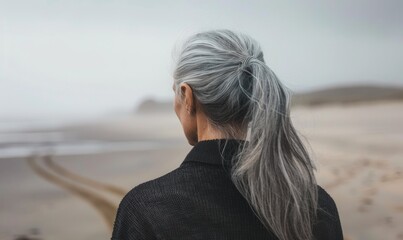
(238, 92)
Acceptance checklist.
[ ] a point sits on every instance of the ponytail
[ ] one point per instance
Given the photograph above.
(274, 171)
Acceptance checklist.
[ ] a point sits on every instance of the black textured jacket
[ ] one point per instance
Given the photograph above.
(199, 201)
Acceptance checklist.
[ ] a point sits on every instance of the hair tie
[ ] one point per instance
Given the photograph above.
(245, 62)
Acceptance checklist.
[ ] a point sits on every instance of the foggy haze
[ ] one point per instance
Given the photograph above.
(95, 57)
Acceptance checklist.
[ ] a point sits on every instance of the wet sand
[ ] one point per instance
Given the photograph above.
(358, 149)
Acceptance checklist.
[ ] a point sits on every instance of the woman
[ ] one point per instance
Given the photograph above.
(248, 175)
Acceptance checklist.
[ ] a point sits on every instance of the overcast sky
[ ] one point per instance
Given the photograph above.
(92, 57)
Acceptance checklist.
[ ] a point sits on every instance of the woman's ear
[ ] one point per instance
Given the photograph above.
(188, 97)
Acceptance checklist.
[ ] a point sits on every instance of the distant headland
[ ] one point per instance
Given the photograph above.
(325, 96)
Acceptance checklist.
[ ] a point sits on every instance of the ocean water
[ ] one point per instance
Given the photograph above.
(22, 138)
(78, 148)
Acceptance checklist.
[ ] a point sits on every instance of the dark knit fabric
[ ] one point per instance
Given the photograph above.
(198, 201)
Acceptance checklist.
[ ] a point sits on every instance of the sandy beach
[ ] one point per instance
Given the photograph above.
(58, 192)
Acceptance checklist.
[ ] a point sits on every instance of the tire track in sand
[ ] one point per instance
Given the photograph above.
(102, 205)
(81, 179)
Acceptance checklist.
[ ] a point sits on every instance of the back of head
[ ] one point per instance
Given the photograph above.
(238, 92)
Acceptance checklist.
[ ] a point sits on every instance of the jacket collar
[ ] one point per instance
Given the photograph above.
(214, 151)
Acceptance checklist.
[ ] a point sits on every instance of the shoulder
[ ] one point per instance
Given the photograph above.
(328, 225)
(151, 190)
(133, 217)
(326, 203)
(324, 197)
